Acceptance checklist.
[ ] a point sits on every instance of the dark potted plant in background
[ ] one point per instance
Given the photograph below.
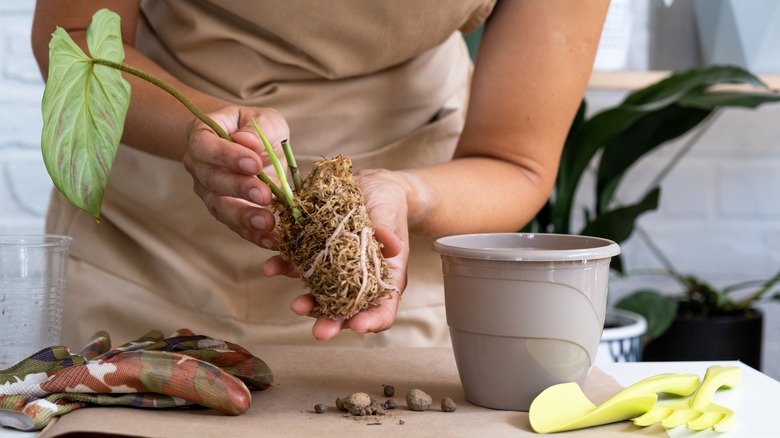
(702, 322)
(608, 143)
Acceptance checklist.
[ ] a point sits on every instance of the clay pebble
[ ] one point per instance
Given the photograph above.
(418, 400)
(357, 403)
(448, 404)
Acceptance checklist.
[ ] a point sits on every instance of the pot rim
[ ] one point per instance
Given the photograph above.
(535, 247)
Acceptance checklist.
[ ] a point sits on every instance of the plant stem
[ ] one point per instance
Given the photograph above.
(296, 176)
(274, 188)
(279, 193)
(287, 192)
(759, 293)
(171, 90)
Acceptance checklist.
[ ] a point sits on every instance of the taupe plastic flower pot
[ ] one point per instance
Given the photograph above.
(525, 311)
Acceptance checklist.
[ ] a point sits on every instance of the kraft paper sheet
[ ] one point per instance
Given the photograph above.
(305, 376)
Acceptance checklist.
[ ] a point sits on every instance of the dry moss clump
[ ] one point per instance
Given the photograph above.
(333, 242)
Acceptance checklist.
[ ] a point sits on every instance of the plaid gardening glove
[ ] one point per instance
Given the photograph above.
(150, 372)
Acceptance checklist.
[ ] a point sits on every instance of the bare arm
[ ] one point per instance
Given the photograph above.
(533, 67)
(161, 131)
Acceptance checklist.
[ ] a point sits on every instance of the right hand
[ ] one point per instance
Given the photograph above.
(385, 194)
(225, 172)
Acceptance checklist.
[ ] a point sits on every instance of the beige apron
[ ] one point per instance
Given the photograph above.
(383, 82)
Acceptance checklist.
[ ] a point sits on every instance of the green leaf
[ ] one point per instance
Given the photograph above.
(580, 148)
(84, 108)
(618, 224)
(647, 132)
(679, 85)
(658, 309)
(716, 99)
(646, 119)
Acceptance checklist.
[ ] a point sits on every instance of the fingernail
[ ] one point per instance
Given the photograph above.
(256, 196)
(248, 165)
(267, 242)
(258, 222)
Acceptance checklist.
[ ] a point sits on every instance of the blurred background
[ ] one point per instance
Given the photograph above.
(719, 215)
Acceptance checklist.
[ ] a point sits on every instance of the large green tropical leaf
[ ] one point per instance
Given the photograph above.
(618, 224)
(645, 120)
(647, 132)
(669, 109)
(716, 99)
(658, 309)
(84, 107)
(580, 148)
(679, 85)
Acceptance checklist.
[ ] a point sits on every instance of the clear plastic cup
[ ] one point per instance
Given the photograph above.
(32, 286)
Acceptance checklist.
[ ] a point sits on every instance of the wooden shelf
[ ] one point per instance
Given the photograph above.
(633, 80)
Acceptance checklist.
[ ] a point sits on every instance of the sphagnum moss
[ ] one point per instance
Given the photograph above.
(333, 242)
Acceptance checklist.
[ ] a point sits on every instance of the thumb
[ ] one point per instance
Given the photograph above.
(391, 242)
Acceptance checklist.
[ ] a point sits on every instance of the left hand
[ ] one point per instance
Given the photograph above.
(385, 197)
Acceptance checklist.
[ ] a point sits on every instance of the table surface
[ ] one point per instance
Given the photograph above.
(305, 376)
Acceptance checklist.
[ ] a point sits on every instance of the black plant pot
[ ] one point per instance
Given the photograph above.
(734, 336)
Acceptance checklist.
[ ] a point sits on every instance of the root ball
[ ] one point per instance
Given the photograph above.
(333, 242)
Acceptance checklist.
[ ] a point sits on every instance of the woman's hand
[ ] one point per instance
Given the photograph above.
(385, 196)
(225, 173)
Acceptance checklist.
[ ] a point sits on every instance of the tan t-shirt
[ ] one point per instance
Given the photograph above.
(383, 82)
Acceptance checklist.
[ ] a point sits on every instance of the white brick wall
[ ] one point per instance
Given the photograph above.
(24, 183)
(720, 207)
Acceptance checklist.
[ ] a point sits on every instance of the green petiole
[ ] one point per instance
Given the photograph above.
(274, 188)
(296, 176)
(286, 191)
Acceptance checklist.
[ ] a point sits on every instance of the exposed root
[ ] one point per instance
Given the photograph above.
(333, 244)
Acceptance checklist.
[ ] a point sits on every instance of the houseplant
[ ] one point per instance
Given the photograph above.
(611, 141)
(703, 322)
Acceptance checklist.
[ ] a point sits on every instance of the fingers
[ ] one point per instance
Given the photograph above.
(207, 148)
(212, 177)
(323, 328)
(278, 265)
(376, 319)
(391, 243)
(371, 320)
(225, 172)
(303, 305)
(273, 125)
(249, 221)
